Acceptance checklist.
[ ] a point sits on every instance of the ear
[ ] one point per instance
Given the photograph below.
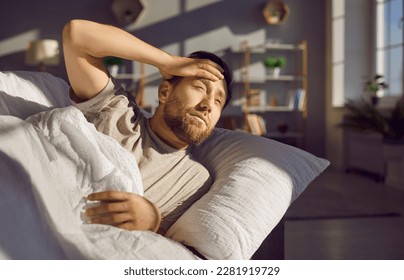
(165, 89)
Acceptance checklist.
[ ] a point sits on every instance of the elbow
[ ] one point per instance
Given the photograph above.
(71, 32)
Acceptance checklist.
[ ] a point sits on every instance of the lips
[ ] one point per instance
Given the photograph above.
(200, 117)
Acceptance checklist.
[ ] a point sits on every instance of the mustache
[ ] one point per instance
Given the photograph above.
(199, 115)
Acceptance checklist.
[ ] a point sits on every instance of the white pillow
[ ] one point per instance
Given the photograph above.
(24, 93)
(255, 181)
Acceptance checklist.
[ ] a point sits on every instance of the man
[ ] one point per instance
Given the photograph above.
(191, 96)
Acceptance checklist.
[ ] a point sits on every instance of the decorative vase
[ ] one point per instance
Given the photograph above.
(274, 72)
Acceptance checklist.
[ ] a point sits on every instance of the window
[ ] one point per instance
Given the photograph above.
(389, 44)
(338, 52)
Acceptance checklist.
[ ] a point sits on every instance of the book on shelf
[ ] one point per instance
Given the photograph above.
(262, 125)
(256, 124)
(254, 97)
(296, 99)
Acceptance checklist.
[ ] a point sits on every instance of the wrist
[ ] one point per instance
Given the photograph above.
(163, 64)
(157, 214)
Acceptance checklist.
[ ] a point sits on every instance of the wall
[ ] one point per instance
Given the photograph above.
(359, 46)
(179, 26)
(23, 21)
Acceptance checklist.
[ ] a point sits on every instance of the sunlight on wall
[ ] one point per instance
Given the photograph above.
(222, 38)
(191, 5)
(338, 52)
(156, 11)
(18, 43)
(212, 40)
(380, 38)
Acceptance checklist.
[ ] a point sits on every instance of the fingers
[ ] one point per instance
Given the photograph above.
(115, 219)
(120, 215)
(127, 226)
(106, 196)
(213, 64)
(192, 67)
(209, 70)
(109, 214)
(124, 210)
(107, 208)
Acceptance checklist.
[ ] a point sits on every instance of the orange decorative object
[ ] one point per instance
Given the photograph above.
(276, 12)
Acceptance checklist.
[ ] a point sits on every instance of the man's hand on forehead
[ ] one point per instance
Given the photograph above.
(191, 67)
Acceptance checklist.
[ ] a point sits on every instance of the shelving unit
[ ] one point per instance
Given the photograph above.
(258, 109)
(294, 80)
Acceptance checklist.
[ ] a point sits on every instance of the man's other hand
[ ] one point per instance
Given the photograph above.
(124, 210)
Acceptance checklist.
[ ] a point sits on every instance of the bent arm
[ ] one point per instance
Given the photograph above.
(86, 43)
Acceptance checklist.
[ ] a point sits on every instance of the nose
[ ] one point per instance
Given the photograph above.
(207, 103)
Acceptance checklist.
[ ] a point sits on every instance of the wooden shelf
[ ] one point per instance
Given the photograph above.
(281, 78)
(284, 78)
(258, 109)
(274, 47)
(270, 46)
(284, 47)
(294, 85)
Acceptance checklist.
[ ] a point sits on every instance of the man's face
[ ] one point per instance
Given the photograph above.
(194, 107)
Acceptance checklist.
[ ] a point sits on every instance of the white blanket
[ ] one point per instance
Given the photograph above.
(49, 163)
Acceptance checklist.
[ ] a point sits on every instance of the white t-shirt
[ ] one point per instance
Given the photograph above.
(172, 179)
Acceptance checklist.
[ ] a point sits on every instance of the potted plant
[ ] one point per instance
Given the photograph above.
(373, 87)
(113, 63)
(274, 16)
(274, 64)
(364, 116)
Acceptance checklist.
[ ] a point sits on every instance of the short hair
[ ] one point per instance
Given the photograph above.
(227, 73)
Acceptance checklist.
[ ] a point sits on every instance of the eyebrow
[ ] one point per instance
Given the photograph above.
(222, 95)
(221, 92)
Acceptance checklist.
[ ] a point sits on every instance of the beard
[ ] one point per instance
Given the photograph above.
(182, 121)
